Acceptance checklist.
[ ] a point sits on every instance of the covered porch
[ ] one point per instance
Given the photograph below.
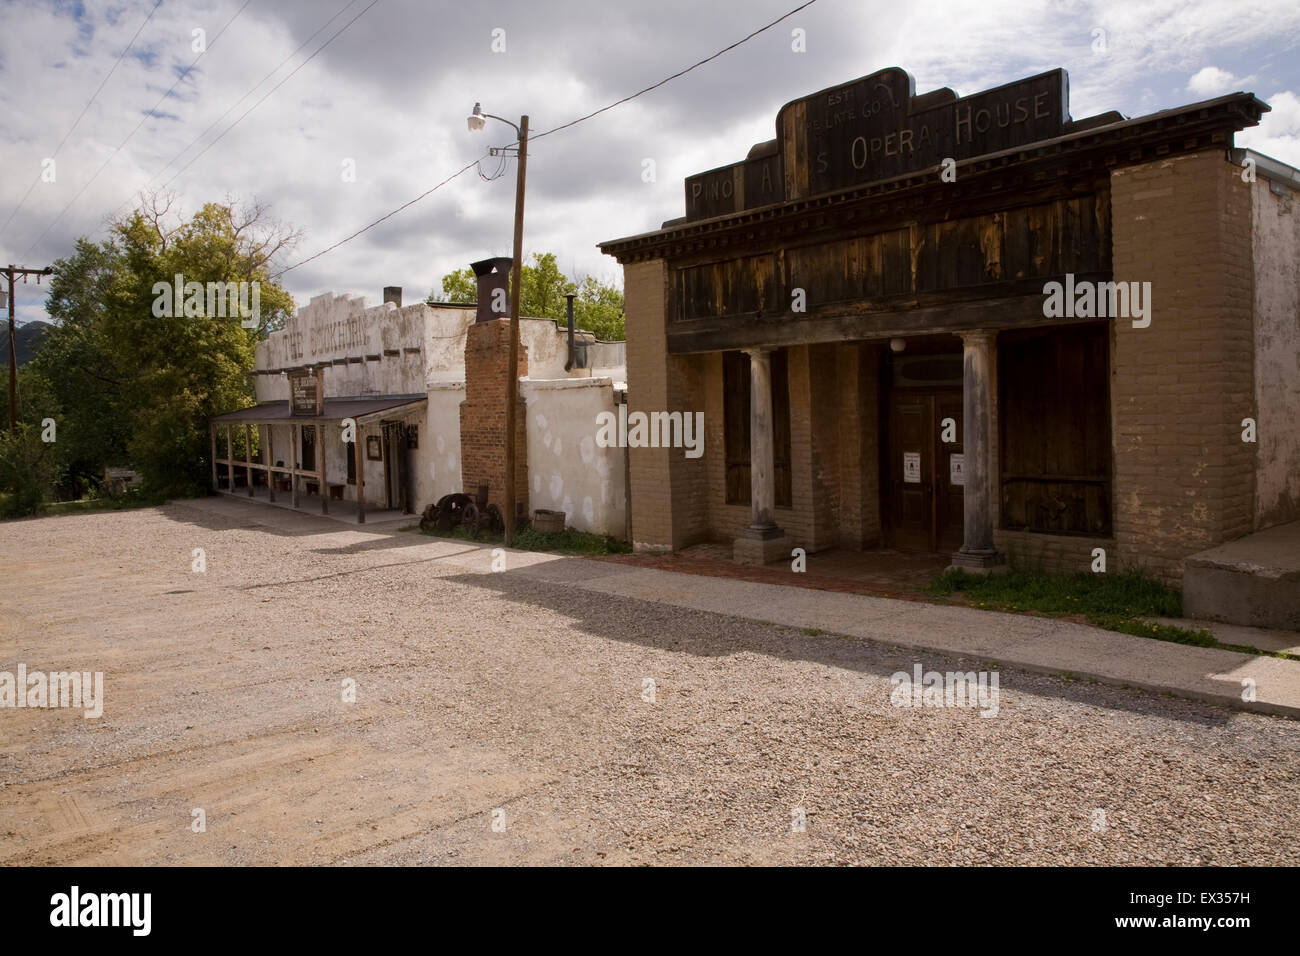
(289, 455)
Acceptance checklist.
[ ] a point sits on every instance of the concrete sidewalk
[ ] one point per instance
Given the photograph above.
(1034, 643)
(1038, 644)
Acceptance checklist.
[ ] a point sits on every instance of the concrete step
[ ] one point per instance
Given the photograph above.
(1253, 581)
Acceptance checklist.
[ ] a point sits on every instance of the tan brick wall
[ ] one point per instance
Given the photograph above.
(858, 413)
(669, 497)
(833, 448)
(1056, 553)
(483, 413)
(1184, 480)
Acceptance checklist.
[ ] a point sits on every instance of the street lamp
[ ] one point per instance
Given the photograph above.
(476, 121)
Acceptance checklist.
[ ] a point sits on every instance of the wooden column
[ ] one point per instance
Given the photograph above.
(977, 551)
(320, 471)
(762, 541)
(294, 446)
(762, 448)
(248, 455)
(212, 435)
(268, 456)
(359, 453)
(230, 458)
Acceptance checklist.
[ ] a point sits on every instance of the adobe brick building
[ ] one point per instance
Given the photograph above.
(862, 310)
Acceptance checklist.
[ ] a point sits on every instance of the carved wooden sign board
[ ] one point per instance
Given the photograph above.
(306, 393)
(876, 128)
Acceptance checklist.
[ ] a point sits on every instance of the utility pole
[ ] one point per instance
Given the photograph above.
(477, 120)
(11, 272)
(512, 384)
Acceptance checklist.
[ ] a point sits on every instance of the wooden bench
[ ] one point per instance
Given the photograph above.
(336, 491)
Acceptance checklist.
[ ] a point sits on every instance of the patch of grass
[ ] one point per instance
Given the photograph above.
(1129, 595)
(568, 541)
(812, 632)
(1116, 602)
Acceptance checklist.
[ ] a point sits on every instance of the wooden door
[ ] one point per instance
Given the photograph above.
(923, 473)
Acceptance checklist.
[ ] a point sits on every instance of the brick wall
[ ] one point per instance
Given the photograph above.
(857, 378)
(669, 496)
(1184, 480)
(483, 413)
(833, 449)
(1056, 553)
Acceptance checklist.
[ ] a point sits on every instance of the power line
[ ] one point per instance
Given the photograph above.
(556, 129)
(143, 119)
(92, 99)
(270, 91)
(274, 70)
(464, 169)
(583, 119)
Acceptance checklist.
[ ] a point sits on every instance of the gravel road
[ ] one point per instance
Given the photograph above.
(502, 718)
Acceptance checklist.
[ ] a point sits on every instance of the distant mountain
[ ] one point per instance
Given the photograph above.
(27, 342)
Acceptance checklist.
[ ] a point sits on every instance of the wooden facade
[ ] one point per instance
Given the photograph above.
(933, 223)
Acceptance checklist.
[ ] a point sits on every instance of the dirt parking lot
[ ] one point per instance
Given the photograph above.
(518, 699)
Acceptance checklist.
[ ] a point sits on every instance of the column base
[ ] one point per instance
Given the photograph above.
(979, 562)
(760, 551)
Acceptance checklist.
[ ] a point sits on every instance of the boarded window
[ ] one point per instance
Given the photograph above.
(1054, 424)
(735, 398)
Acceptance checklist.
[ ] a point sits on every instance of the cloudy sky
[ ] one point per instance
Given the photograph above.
(391, 91)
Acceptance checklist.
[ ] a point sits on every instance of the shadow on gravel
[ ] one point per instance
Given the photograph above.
(687, 631)
(708, 634)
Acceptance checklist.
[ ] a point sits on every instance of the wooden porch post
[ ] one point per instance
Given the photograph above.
(294, 446)
(248, 455)
(978, 551)
(360, 457)
(212, 436)
(268, 456)
(320, 471)
(230, 458)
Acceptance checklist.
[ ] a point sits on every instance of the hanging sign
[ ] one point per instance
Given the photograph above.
(306, 393)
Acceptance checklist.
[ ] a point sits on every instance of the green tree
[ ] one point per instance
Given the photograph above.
(598, 307)
(132, 379)
(28, 470)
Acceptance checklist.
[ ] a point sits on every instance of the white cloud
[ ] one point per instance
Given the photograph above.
(1278, 133)
(393, 90)
(1211, 81)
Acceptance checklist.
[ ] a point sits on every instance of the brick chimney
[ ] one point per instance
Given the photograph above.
(493, 274)
(483, 413)
(393, 294)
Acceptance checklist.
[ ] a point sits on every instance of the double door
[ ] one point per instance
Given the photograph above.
(924, 474)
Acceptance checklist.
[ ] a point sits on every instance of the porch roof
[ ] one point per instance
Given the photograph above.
(363, 410)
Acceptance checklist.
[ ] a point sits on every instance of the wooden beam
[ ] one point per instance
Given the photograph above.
(230, 458)
(212, 436)
(294, 446)
(269, 456)
(248, 456)
(359, 453)
(736, 332)
(320, 471)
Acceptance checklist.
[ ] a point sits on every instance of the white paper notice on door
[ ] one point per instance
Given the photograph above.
(912, 467)
(957, 469)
